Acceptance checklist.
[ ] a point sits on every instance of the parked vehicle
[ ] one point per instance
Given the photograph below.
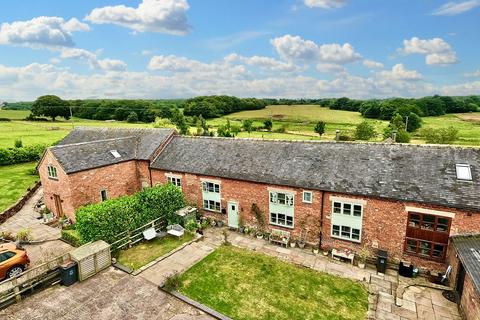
(13, 260)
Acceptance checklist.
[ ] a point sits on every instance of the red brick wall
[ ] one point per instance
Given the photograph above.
(384, 227)
(247, 193)
(52, 187)
(84, 187)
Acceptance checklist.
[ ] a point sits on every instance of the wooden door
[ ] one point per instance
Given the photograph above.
(58, 205)
(233, 214)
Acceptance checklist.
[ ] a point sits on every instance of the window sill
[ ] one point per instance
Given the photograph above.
(309, 202)
(213, 211)
(52, 178)
(346, 239)
(281, 225)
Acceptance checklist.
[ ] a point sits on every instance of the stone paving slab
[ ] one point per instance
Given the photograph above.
(111, 294)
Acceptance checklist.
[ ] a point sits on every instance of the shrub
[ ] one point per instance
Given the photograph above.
(107, 219)
(402, 136)
(25, 235)
(320, 128)
(5, 119)
(172, 282)
(345, 137)
(247, 125)
(20, 155)
(443, 135)
(364, 131)
(268, 124)
(72, 237)
(18, 143)
(132, 117)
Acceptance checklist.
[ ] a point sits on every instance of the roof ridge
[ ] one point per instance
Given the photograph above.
(119, 128)
(424, 145)
(91, 142)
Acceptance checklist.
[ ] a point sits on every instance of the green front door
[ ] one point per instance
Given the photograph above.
(232, 214)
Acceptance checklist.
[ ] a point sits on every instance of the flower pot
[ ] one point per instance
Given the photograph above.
(219, 223)
(259, 236)
(241, 229)
(361, 265)
(292, 244)
(316, 251)
(325, 253)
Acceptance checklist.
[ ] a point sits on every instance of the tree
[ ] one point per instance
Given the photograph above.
(402, 136)
(132, 117)
(441, 136)
(414, 122)
(51, 106)
(370, 109)
(268, 124)
(320, 128)
(180, 122)
(364, 131)
(247, 125)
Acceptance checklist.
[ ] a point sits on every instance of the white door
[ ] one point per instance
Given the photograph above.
(232, 214)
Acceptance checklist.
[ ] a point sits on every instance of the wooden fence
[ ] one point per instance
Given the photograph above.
(13, 288)
(129, 238)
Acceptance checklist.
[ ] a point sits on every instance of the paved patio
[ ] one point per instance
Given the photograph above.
(111, 294)
(391, 296)
(27, 218)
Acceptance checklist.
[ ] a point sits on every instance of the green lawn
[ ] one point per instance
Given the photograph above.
(14, 114)
(14, 181)
(247, 285)
(145, 252)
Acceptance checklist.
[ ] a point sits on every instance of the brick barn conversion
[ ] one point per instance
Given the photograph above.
(414, 201)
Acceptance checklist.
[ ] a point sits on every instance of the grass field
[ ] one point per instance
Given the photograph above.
(14, 114)
(246, 285)
(46, 132)
(14, 181)
(145, 252)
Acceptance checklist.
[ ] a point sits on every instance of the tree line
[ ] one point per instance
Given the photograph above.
(216, 106)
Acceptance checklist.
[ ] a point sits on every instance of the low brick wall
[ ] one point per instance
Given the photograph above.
(19, 204)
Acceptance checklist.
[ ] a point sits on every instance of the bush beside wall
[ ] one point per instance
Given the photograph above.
(72, 237)
(105, 220)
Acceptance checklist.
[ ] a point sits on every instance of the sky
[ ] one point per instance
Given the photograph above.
(154, 49)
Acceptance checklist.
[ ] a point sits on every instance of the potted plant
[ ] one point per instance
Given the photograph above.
(219, 223)
(326, 250)
(301, 243)
(363, 255)
(259, 235)
(315, 250)
(259, 216)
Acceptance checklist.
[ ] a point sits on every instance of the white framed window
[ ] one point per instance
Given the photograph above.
(52, 172)
(307, 196)
(175, 181)
(210, 187)
(347, 208)
(103, 195)
(464, 172)
(285, 199)
(212, 205)
(347, 220)
(281, 219)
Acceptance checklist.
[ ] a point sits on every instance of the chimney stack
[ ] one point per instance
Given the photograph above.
(337, 135)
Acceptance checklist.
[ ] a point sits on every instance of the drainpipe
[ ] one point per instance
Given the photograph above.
(321, 222)
(150, 174)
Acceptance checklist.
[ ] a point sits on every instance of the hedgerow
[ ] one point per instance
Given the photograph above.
(105, 220)
(20, 155)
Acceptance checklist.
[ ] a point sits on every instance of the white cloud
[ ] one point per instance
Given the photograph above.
(454, 8)
(166, 16)
(325, 4)
(437, 51)
(399, 72)
(330, 68)
(473, 74)
(293, 48)
(92, 59)
(372, 64)
(41, 32)
(265, 63)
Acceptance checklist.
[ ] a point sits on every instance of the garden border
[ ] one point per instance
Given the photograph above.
(17, 206)
(126, 269)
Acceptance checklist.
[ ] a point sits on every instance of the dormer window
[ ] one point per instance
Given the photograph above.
(52, 172)
(115, 154)
(464, 172)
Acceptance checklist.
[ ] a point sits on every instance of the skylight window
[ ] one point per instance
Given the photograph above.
(115, 153)
(464, 172)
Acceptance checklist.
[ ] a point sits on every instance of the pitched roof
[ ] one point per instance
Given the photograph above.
(148, 140)
(468, 249)
(395, 171)
(87, 148)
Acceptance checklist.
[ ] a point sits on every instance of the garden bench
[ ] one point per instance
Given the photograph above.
(279, 236)
(175, 230)
(150, 234)
(343, 254)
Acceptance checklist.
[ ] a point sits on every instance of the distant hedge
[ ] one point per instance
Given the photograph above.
(217, 106)
(20, 155)
(105, 220)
